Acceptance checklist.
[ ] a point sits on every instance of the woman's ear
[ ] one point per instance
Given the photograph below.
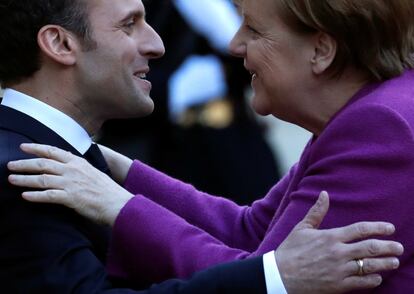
(325, 52)
(58, 44)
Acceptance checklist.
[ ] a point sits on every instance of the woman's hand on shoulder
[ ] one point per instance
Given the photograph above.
(64, 178)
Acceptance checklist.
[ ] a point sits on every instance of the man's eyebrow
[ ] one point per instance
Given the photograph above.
(133, 14)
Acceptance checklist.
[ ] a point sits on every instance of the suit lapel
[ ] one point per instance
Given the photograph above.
(18, 122)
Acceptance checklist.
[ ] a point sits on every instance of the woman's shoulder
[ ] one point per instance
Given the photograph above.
(380, 120)
(396, 94)
(380, 106)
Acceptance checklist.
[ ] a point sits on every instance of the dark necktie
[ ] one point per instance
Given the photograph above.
(94, 156)
(99, 235)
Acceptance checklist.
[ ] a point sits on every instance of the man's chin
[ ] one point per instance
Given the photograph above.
(144, 109)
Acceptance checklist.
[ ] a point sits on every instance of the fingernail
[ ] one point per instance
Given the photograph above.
(390, 228)
(25, 146)
(324, 194)
(28, 196)
(378, 280)
(395, 263)
(400, 248)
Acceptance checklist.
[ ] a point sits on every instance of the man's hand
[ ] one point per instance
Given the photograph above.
(69, 180)
(324, 261)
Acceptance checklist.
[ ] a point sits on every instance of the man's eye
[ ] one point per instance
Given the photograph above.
(130, 24)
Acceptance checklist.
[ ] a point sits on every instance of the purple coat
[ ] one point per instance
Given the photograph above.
(364, 158)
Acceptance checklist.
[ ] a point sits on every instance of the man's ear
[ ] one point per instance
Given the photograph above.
(58, 44)
(325, 52)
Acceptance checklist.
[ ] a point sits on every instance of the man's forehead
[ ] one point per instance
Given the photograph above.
(119, 8)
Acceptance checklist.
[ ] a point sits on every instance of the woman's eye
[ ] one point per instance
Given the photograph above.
(251, 29)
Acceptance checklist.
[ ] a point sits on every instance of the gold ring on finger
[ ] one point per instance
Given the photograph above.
(360, 264)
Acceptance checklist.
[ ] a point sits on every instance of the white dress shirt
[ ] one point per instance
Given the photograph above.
(274, 283)
(57, 121)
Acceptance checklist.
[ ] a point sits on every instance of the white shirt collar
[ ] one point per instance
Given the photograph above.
(57, 121)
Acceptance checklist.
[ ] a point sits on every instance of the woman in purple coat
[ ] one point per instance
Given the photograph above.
(341, 69)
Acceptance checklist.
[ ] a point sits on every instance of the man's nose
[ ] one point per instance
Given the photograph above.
(154, 46)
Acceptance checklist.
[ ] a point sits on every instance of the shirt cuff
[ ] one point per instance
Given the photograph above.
(274, 283)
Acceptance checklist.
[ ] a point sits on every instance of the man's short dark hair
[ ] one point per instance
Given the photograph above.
(20, 22)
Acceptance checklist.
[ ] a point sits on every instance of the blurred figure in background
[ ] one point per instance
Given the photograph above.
(201, 125)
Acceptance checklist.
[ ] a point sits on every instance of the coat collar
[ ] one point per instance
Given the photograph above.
(23, 124)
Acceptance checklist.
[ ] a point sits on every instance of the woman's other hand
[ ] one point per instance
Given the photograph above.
(325, 261)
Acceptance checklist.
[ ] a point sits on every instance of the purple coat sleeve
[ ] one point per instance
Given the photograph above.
(149, 228)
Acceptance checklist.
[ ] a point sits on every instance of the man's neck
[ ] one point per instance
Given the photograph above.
(63, 125)
(58, 95)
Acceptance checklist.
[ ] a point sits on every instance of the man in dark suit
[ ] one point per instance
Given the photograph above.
(68, 66)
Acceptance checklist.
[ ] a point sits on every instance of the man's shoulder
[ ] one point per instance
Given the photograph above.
(10, 146)
(10, 150)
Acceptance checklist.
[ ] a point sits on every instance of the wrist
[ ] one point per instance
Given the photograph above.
(283, 270)
(117, 207)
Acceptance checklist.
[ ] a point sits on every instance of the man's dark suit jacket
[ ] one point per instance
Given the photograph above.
(47, 248)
